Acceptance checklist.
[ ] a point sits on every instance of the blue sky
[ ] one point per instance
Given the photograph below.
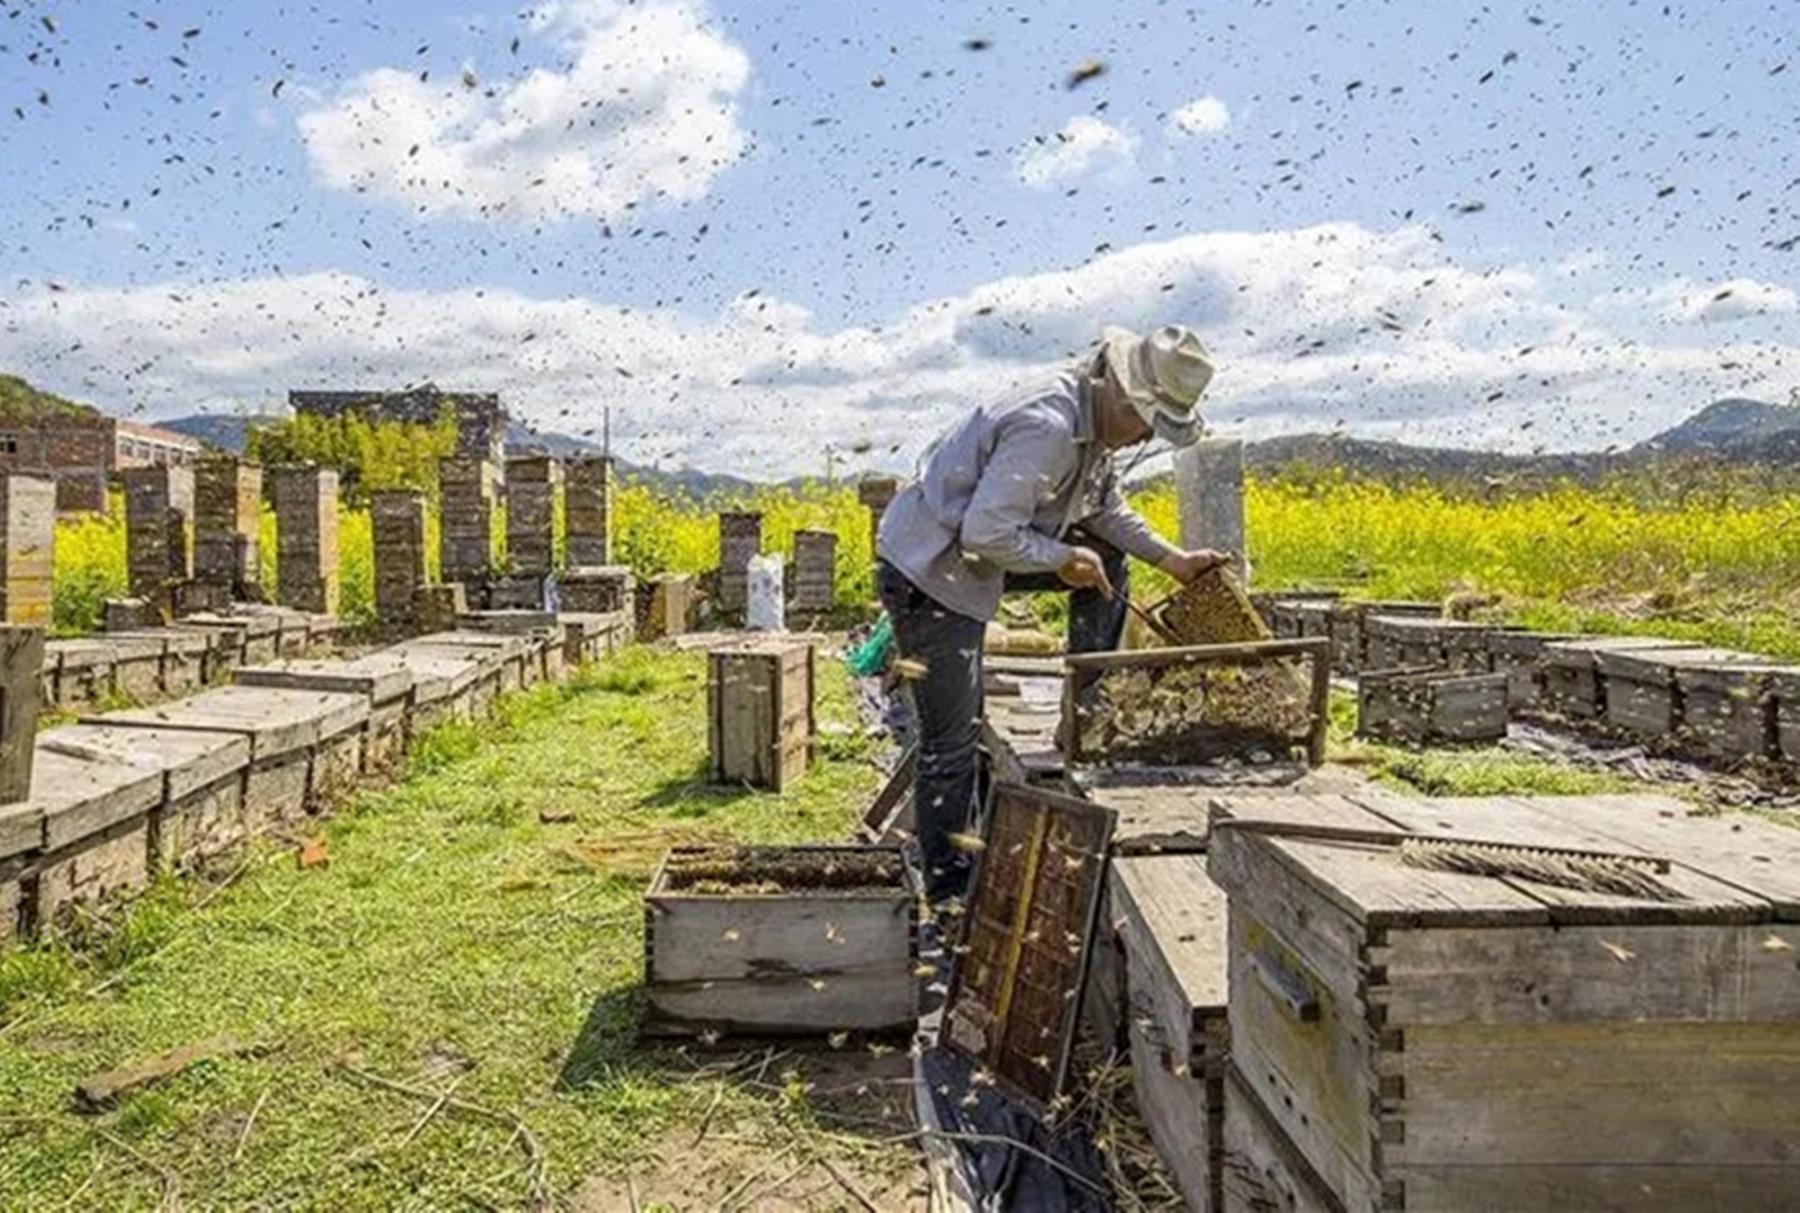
(1368, 210)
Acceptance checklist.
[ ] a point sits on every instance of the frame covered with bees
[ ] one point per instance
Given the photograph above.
(1199, 705)
(1016, 990)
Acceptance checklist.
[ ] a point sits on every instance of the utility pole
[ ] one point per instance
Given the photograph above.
(606, 432)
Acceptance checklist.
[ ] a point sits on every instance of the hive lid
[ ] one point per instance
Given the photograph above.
(1659, 665)
(276, 721)
(1718, 874)
(1584, 651)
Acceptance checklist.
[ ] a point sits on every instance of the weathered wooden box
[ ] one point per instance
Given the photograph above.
(666, 605)
(1393, 641)
(1349, 646)
(1261, 1171)
(1573, 685)
(1520, 656)
(1170, 923)
(760, 713)
(1785, 687)
(21, 685)
(1642, 698)
(780, 941)
(1729, 710)
(1428, 1039)
(1422, 705)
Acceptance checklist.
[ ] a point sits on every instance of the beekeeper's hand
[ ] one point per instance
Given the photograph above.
(1186, 566)
(1083, 570)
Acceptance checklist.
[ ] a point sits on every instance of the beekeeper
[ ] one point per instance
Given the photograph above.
(1022, 495)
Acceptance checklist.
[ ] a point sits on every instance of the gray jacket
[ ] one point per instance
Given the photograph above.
(997, 493)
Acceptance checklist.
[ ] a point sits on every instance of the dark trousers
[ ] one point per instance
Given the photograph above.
(947, 699)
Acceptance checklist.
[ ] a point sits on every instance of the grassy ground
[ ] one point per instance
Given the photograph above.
(454, 942)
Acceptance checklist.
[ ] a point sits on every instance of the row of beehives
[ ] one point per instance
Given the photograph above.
(122, 795)
(1317, 1023)
(146, 665)
(1431, 677)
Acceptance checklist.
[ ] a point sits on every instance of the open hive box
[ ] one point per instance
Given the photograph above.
(1258, 702)
(1428, 1035)
(795, 940)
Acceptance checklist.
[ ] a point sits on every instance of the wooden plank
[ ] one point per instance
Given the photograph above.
(1530, 1095)
(1155, 820)
(1237, 654)
(1260, 1170)
(1302, 1037)
(1170, 917)
(1672, 1186)
(1372, 885)
(1186, 1119)
(872, 1001)
(1758, 856)
(1558, 822)
(1627, 973)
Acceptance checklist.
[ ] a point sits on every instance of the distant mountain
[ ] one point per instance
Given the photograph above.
(226, 431)
(20, 402)
(1398, 460)
(1728, 427)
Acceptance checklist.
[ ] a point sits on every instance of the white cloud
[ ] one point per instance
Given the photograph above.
(1686, 302)
(1205, 116)
(643, 107)
(1381, 331)
(1085, 145)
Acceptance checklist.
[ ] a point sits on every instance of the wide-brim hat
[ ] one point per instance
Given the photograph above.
(1164, 376)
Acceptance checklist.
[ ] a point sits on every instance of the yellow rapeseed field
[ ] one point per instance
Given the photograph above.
(1723, 570)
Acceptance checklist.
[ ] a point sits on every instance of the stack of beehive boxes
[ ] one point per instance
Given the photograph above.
(397, 523)
(159, 515)
(815, 569)
(227, 516)
(588, 505)
(27, 531)
(740, 540)
(466, 490)
(306, 538)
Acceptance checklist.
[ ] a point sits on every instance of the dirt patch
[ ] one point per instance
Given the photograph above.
(849, 1147)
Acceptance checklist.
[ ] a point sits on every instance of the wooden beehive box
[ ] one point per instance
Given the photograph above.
(759, 706)
(1423, 705)
(1348, 642)
(1170, 923)
(782, 941)
(1391, 642)
(1573, 686)
(1729, 710)
(1431, 1040)
(1639, 687)
(1520, 656)
(1261, 1171)
(1785, 686)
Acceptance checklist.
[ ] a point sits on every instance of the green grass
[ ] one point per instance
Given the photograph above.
(1470, 771)
(453, 937)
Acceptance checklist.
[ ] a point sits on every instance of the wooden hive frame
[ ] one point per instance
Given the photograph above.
(1016, 990)
(1080, 670)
